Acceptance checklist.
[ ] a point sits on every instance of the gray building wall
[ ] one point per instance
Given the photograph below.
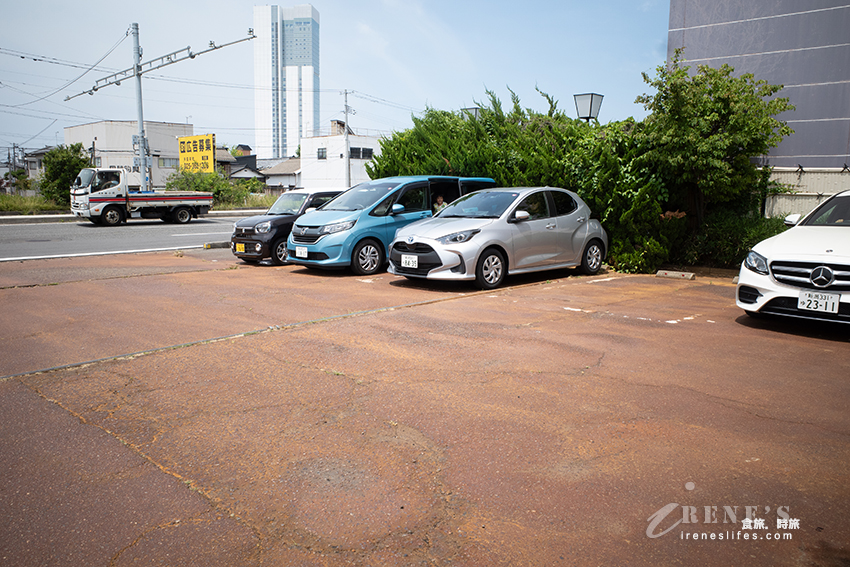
(803, 45)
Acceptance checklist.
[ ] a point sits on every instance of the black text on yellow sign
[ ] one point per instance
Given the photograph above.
(197, 153)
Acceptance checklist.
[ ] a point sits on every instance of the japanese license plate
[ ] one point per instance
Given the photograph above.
(409, 261)
(818, 301)
(300, 251)
(240, 247)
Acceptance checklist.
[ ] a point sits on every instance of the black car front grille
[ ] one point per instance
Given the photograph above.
(311, 256)
(244, 231)
(305, 238)
(787, 307)
(428, 258)
(799, 274)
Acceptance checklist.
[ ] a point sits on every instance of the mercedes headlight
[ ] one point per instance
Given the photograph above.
(757, 263)
(336, 227)
(263, 227)
(457, 237)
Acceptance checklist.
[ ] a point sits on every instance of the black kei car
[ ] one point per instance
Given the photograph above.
(264, 236)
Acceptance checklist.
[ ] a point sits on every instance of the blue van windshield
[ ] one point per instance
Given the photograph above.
(361, 196)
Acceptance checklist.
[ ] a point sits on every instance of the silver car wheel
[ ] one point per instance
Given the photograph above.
(594, 257)
(369, 258)
(591, 263)
(492, 269)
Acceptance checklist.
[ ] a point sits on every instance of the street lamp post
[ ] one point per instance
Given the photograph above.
(587, 105)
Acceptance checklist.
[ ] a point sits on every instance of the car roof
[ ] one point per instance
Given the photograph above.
(519, 189)
(311, 191)
(406, 178)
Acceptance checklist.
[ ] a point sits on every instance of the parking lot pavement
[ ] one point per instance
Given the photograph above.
(569, 420)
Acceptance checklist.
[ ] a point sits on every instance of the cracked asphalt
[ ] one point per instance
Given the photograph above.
(187, 409)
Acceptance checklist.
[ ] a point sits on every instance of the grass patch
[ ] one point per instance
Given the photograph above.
(253, 201)
(27, 205)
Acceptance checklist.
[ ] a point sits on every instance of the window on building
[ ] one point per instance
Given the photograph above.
(355, 153)
(366, 153)
(322, 153)
(169, 163)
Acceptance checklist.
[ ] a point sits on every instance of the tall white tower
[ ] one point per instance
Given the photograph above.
(286, 78)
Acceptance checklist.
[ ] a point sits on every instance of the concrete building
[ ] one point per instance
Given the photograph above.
(323, 160)
(804, 46)
(113, 145)
(286, 78)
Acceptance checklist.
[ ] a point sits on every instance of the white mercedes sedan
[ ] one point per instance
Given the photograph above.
(805, 271)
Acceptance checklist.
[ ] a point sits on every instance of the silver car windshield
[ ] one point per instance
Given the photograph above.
(288, 204)
(480, 205)
(835, 212)
(360, 196)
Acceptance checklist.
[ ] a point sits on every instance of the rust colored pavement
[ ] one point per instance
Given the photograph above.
(165, 410)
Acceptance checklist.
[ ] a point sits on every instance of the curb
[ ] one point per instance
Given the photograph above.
(676, 275)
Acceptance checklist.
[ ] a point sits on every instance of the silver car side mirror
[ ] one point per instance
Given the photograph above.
(792, 220)
(521, 216)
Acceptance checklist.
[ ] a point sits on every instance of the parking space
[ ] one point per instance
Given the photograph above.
(318, 418)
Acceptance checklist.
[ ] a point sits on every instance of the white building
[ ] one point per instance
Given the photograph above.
(113, 144)
(286, 78)
(323, 162)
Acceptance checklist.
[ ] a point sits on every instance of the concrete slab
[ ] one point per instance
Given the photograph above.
(387, 422)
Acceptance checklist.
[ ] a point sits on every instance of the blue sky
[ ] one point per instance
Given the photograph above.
(398, 56)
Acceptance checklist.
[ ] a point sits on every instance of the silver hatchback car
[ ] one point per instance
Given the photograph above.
(489, 234)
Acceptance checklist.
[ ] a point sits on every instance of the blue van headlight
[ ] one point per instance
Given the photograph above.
(336, 227)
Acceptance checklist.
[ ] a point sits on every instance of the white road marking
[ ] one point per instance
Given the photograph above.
(54, 256)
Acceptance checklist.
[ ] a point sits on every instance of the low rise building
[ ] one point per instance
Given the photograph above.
(111, 144)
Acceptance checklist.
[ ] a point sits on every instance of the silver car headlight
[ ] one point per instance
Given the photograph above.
(336, 227)
(757, 263)
(263, 227)
(457, 237)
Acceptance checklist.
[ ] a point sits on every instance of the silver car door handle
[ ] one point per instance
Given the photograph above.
(581, 219)
(550, 226)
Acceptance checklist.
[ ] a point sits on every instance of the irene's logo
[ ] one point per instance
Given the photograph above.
(669, 517)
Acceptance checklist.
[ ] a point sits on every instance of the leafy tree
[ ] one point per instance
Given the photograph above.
(16, 180)
(62, 164)
(703, 130)
(216, 183)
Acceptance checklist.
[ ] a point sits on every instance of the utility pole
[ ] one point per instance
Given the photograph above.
(347, 149)
(138, 68)
(140, 140)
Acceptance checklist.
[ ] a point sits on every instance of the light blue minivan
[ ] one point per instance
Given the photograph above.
(356, 228)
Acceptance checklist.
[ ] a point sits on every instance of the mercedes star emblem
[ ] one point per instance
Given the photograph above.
(822, 276)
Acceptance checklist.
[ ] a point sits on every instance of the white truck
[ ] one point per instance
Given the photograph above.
(112, 196)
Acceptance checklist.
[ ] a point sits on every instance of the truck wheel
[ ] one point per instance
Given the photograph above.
(111, 216)
(279, 252)
(182, 215)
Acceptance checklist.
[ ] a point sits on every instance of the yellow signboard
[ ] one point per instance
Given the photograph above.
(197, 153)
